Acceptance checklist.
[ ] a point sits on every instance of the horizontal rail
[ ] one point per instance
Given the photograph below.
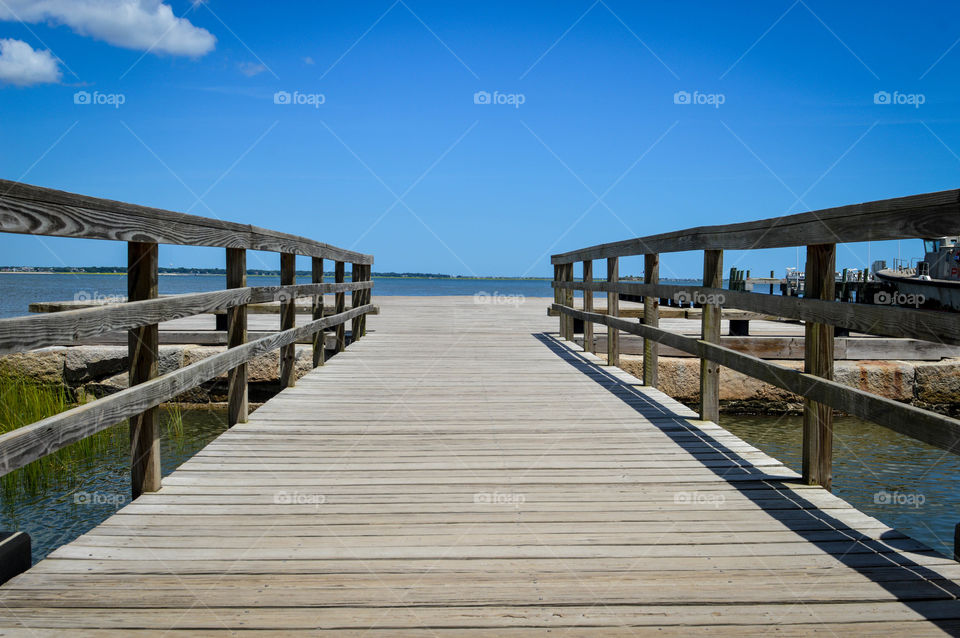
(26, 444)
(28, 333)
(35, 210)
(932, 428)
(927, 215)
(892, 321)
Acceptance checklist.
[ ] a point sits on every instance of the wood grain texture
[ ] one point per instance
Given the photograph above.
(588, 338)
(460, 471)
(710, 333)
(613, 309)
(651, 317)
(288, 319)
(340, 303)
(19, 447)
(818, 360)
(891, 321)
(143, 352)
(34, 210)
(20, 334)
(237, 392)
(926, 215)
(936, 429)
(320, 337)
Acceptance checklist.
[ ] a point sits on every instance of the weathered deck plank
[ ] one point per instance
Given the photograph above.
(460, 472)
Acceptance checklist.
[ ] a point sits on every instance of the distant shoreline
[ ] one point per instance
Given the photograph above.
(277, 274)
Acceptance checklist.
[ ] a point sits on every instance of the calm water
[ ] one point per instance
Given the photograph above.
(906, 484)
(59, 515)
(17, 290)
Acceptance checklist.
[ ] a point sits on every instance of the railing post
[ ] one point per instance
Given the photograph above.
(710, 332)
(365, 297)
(651, 317)
(613, 310)
(319, 337)
(340, 304)
(143, 346)
(565, 332)
(356, 275)
(818, 360)
(557, 292)
(237, 403)
(288, 319)
(568, 301)
(588, 307)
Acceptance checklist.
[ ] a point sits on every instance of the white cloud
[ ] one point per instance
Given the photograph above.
(20, 64)
(308, 60)
(145, 25)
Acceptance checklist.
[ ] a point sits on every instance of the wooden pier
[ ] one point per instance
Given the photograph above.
(463, 468)
(460, 470)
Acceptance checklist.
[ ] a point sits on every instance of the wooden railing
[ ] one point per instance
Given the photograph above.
(920, 216)
(40, 211)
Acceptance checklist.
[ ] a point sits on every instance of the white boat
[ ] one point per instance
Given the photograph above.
(934, 282)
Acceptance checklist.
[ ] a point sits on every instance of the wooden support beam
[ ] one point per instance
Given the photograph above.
(143, 348)
(613, 310)
(288, 319)
(365, 297)
(237, 401)
(710, 332)
(356, 274)
(820, 283)
(588, 307)
(651, 317)
(319, 338)
(558, 296)
(340, 304)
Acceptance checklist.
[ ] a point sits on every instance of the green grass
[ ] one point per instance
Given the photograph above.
(24, 401)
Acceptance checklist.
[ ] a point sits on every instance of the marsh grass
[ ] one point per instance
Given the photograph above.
(24, 401)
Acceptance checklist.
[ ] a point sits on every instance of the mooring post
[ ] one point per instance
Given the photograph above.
(340, 304)
(820, 283)
(613, 310)
(651, 317)
(710, 332)
(288, 319)
(588, 307)
(237, 401)
(143, 349)
(319, 337)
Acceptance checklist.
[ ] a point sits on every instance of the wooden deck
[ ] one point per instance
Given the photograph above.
(460, 471)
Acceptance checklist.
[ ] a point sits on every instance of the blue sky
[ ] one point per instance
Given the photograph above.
(400, 161)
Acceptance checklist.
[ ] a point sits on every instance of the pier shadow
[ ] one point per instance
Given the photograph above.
(867, 556)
